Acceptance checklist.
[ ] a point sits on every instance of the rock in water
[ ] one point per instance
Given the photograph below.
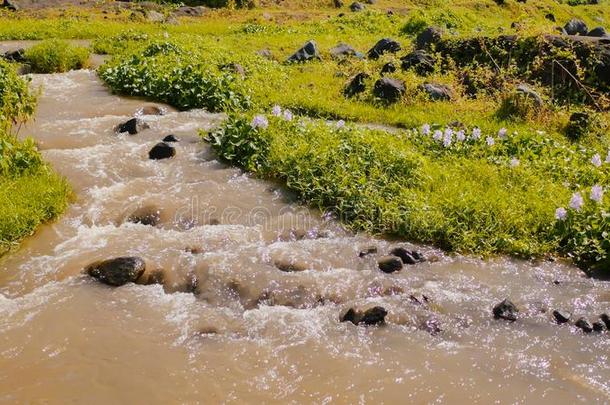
(389, 264)
(131, 126)
(598, 326)
(374, 316)
(388, 89)
(576, 27)
(584, 325)
(506, 310)
(606, 320)
(117, 272)
(146, 216)
(307, 52)
(407, 256)
(171, 138)
(161, 151)
(561, 316)
(371, 250)
(385, 45)
(151, 110)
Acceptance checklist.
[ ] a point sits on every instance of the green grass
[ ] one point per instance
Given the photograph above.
(30, 192)
(56, 56)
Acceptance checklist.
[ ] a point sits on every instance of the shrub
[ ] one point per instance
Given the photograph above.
(54, 56)
(17, 103)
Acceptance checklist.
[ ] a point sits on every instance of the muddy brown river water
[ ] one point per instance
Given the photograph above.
(228, 326)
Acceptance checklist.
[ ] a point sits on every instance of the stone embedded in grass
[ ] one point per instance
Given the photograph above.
(428, 37)
(118, 271)
(561, 317)
(131, 126)
(389, 264)
(161, 151)
(576, 27)
(265, 53)
(505, 310)
(420, 61)
(357, 85)
(372, 316)
(550, 17)
(584, 325)
(437, 92)
(383, 46)
(389, 89)
(308, 52)
(171, 138)
(343, 51)
(389, 67)
(356, 6)
(598, 32)
(530, 94)
(578, 126)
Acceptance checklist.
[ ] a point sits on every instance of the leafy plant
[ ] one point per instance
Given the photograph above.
(53, 56)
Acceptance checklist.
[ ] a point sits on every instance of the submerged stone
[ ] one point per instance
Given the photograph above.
(561, 316)
(506, 310)
(161, 151)
(118, 271)
(390, 264)
(407, 256)
(148, 215)
(371, 250)
(372, 316)
(606, 320)
(171, 138)
(584, 325)
(131, 126)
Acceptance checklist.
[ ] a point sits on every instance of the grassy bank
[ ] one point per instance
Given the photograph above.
(30, 192)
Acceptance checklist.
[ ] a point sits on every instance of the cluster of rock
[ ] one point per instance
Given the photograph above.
(508, 311)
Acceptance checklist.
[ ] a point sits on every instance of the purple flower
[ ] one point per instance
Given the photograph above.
(597, 193)
(476, 133)
(276, 111)
(460, 136)
(596, 160)
(447, 138)
(514, 162)
(502, 133)
(438, 135)
(490, 141)
(340, 124)
(287, 115)
(561, 214)
(425, 129)
(259, 121)
(576, 202)
(608, 157)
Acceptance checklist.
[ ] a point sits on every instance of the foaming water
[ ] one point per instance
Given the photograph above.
(226, 324)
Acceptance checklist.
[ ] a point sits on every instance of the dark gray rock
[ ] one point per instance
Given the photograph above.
(437, 92)
(337, 3)
(308, 52)
(171, 138)
(506, 310)
(234, 68)
(606, 320)
(384, 45)
(344, 50)
(148, 215)
(576, 27)
(526, 91)
(389, 67)
(584, 325)
(161, 151)
(598, 326)
(189, 11)
(420, 61)
(578, 125)
(550, 17)
(356, 6)
(10, 5)
(357, 85)
(131, 126)
(408, 256)
(389, 89)
(389, 264)
(372, 316)
(428, 37)
(17, 56)
(117, 272)
(265, 53)
(371, 250)
(598, 32)
(561, 316)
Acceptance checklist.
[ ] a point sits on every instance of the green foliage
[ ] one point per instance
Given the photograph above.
(30, 193)
(469, 197)
(163, 71)
(53, 56)
(109, 45)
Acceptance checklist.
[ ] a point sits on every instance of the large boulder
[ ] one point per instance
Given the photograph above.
(420, 61)
(389, 89)
(437, 92)
(385, 45)
(131, 126)
(428, 37)
(357, 85)
(118, 271)
(161, 150)
(576, 27)
(309, 51)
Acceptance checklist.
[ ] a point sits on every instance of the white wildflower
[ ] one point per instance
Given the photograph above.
(514, 162)
(476, 133)
(490, 141)
(597, 193)
(287, 115)
(502, 133)
(596, 160)
(561, 214)
(576, 202)
(276, 111)
(259, 121)
(460, 136)
(438, 135)
(425, 129)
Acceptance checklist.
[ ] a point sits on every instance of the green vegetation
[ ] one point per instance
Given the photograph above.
(56, 56)
(30, 192)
